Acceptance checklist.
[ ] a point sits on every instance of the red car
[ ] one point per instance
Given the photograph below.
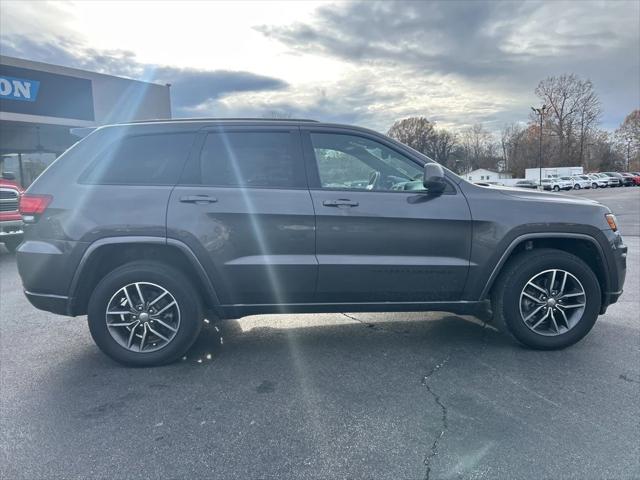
(636, 178)
(10, 219)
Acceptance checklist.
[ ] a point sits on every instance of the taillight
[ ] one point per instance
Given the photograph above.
(32, 205)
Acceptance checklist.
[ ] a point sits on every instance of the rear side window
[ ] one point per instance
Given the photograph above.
(140, 160)
(251, 159)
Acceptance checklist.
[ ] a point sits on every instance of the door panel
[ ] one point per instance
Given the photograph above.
(244, 207)
(380, 236)
(392, 246)
(260, 243)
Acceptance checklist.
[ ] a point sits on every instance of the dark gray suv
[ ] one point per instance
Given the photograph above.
(148, 228)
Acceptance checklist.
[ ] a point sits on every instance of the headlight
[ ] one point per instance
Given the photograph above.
(611, 220)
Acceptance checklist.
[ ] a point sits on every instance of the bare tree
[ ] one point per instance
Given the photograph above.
(443, 144)
(628, 139)
(575, 109)
(415, 132)
(606, 156)
(510, 141)
(589, 114)
(478, 148)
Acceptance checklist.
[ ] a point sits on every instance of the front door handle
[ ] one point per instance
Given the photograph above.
(198, 199)
(341, 202)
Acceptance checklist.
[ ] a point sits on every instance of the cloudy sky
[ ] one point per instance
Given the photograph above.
(367, 63)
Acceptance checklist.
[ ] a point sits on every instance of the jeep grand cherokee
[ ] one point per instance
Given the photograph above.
(148, 228)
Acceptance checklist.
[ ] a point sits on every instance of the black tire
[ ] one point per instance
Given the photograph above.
(519, 270)
(176, 283)
(556, 188)
(11, 243)
(577, 187)
(594, 185)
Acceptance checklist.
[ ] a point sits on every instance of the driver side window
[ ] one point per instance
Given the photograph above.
(352, 162)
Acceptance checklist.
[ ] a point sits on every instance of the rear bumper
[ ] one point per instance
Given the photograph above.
(46, 269)
(50, 303)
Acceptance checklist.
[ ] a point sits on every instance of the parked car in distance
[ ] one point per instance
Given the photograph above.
(636, 178)
(527, 184)
(148, 228)
(10, 219)
(615, 179)
(580, 182)
(598, 180)
(627, 180)
(567, 180)
(556, 184)
(611, 182)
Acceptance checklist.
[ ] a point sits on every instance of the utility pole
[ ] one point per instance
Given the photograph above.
(540, 112)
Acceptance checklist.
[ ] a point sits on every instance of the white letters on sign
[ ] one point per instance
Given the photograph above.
(12, 88)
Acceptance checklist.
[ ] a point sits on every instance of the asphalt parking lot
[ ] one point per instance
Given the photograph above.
(384, 396)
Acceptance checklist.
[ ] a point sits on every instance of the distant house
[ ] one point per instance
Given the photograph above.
(484, 175)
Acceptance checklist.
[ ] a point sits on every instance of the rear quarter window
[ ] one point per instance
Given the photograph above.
(147, 159)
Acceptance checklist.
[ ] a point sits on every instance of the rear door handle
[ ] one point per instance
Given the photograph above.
(198, 199)
(341, 202)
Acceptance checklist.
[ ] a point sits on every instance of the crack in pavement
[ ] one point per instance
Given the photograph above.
(366, 324)
(628, 379)
(376, 327)
(445, 426)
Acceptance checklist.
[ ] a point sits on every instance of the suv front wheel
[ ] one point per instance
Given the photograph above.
(144, 313)
(547, 299)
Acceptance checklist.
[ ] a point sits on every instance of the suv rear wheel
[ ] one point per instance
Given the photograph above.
(547, 299)
(144, 314)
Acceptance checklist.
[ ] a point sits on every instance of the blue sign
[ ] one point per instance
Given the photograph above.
(13, 88)
(46, 94)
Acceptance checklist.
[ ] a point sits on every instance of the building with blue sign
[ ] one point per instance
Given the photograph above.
(40, 103)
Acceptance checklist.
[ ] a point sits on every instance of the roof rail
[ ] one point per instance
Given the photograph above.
(81, 132)
(215, 119)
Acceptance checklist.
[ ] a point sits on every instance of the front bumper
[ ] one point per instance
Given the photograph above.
(11, 228)
(617, 266)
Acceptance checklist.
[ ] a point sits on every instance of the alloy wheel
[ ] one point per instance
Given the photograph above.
(552, 302)
(143, 317)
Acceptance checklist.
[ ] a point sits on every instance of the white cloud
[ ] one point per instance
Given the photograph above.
(369, 63)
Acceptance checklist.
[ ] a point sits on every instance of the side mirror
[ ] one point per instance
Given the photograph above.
(8, 176)
(433, 179)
